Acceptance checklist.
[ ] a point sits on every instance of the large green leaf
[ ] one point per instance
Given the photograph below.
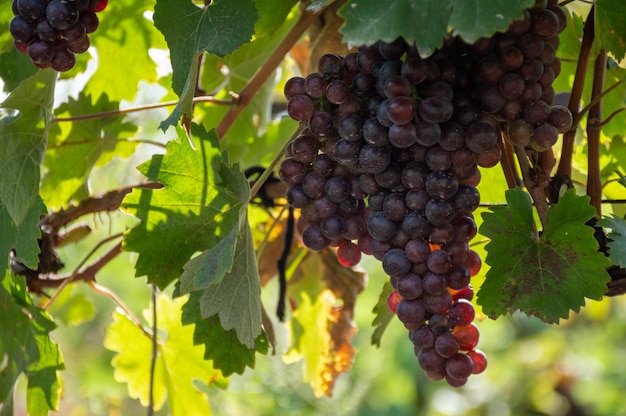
(547, 275)
(80, 146)
(27, 348)
(198, 206)
(189, 30)
(179, 364)
(610, 28)
(23, 136)
(427, 22)
(221, 346)
(15, 67)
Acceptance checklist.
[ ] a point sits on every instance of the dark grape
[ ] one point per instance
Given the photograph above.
(313, 238)
(480, 137)
(395, 262)
(561, 118)
(31, 10)
(63, 59)
(22, 30)
(446, 345)
(315, 85)
(61, 14)
(300, 108)
(435, 109)
(294, 86)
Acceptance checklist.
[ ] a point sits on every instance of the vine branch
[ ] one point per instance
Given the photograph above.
(153, 357)
(594, 179)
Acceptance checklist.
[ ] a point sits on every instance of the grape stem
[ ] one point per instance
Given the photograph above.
(262, 74)
(565, 163)
(594, 121)
(508, 162)
(594, 101)
(153, 357)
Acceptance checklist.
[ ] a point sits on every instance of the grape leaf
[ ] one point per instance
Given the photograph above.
(78, 147)
(272, 14)
(15, 67)
(197, 208)
(427, 22)
(123, 40)
(384, 315)
(610, 29)
(617, 247)
(474, 19)
(6, 40)
(72, 308)
(179, 364)
(219, 28)
(322, 330)
(229, 354)
(27, 348)
(236, 294)
(545, 275)
(424, 22)
(22, 238)
(23, 137)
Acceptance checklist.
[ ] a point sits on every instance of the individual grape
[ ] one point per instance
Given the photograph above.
(392, 50)
(351, 128)
(532, 92)
(511, 85)
(439, 262)
(414, 175)
(40, 52)
(437, 304)
(531, 71)
(374, 160)
(294, 86)
(414, 69)
(489, 99)
(465, 228)
(416, 199)
(490, 70)
(333, 227)
(394, 206)
(520, 132)
(561, 118)
(438, 159)
(422, 337)
(337, 91)
(440, 89)
(313, 238)
(79, 46)
(442, 234)
(366, 58)
(467, 336)
(31, 10)
(465, 293)
(544, 22)
(548, 94)
(315, 85)
(355, 228)
(536, 112)
(457, 278)
(400, 110)
(390, 177)
(411, 311)
(63, 59)
(461, 313)
(347, 153)
(434, 284)
(395, 262)
(480, 137)
(321, 124)
(304, 150)
(441, 185)
(511, 58)
(300, 108)
(336, 189)
(455, 382)
(430, 361)
(379, 249)
(428, 134)
(313, 185)
(97, 6)
(459, 366)
(544, 137)
(397, 86)
(291, 172)
(479, 360)
(439, 213)
(375, 133)
(446, 345)
(62, 15)
(435, 109)
(22, 30)
(296, 197)
(439, 324)
(91, 21)
(531, 45)
(409, 286)
(381, 228)
(74, 34)
(473, 263)
(452, 136)
(364, 85)
(466, 199)
(489, 158)
(20, 46)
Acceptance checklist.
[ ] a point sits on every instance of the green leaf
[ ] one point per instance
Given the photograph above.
(236, 296)
(474, 19)
(384, 315)
(197, 208)
(179, 364)
(123, 40)
(189, 30)
(229, 354)
(272, 14)
(80, 146)
(25, 343)
(610, 28)
(22, 238)
(547, 275)
(617, 247)
(23, 137)
(424, 22)
(15, 67)
(72, 308)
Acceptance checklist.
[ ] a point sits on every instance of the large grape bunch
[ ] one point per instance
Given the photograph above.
(387, 165)
(51, 32)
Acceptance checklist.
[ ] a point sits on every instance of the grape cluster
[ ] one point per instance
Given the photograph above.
(51, 32)
(387, 165)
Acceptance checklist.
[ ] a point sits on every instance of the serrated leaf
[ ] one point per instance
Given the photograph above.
(22, 238)
(179, 364)
(323, 331)
(383, 315)
(424, 22)
(221, 346)
(236, 297)
(26, 344)
(617, 247)
(545, 276)
(78, 147)
(197, 208)
(23, 137)
(610, 29)
(474, 19)
(189, 30)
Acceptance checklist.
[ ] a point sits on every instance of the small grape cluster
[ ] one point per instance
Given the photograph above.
(51, 32)
(387, 165)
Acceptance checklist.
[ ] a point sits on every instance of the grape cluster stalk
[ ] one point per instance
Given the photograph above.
(388, 165)
(52, 32)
